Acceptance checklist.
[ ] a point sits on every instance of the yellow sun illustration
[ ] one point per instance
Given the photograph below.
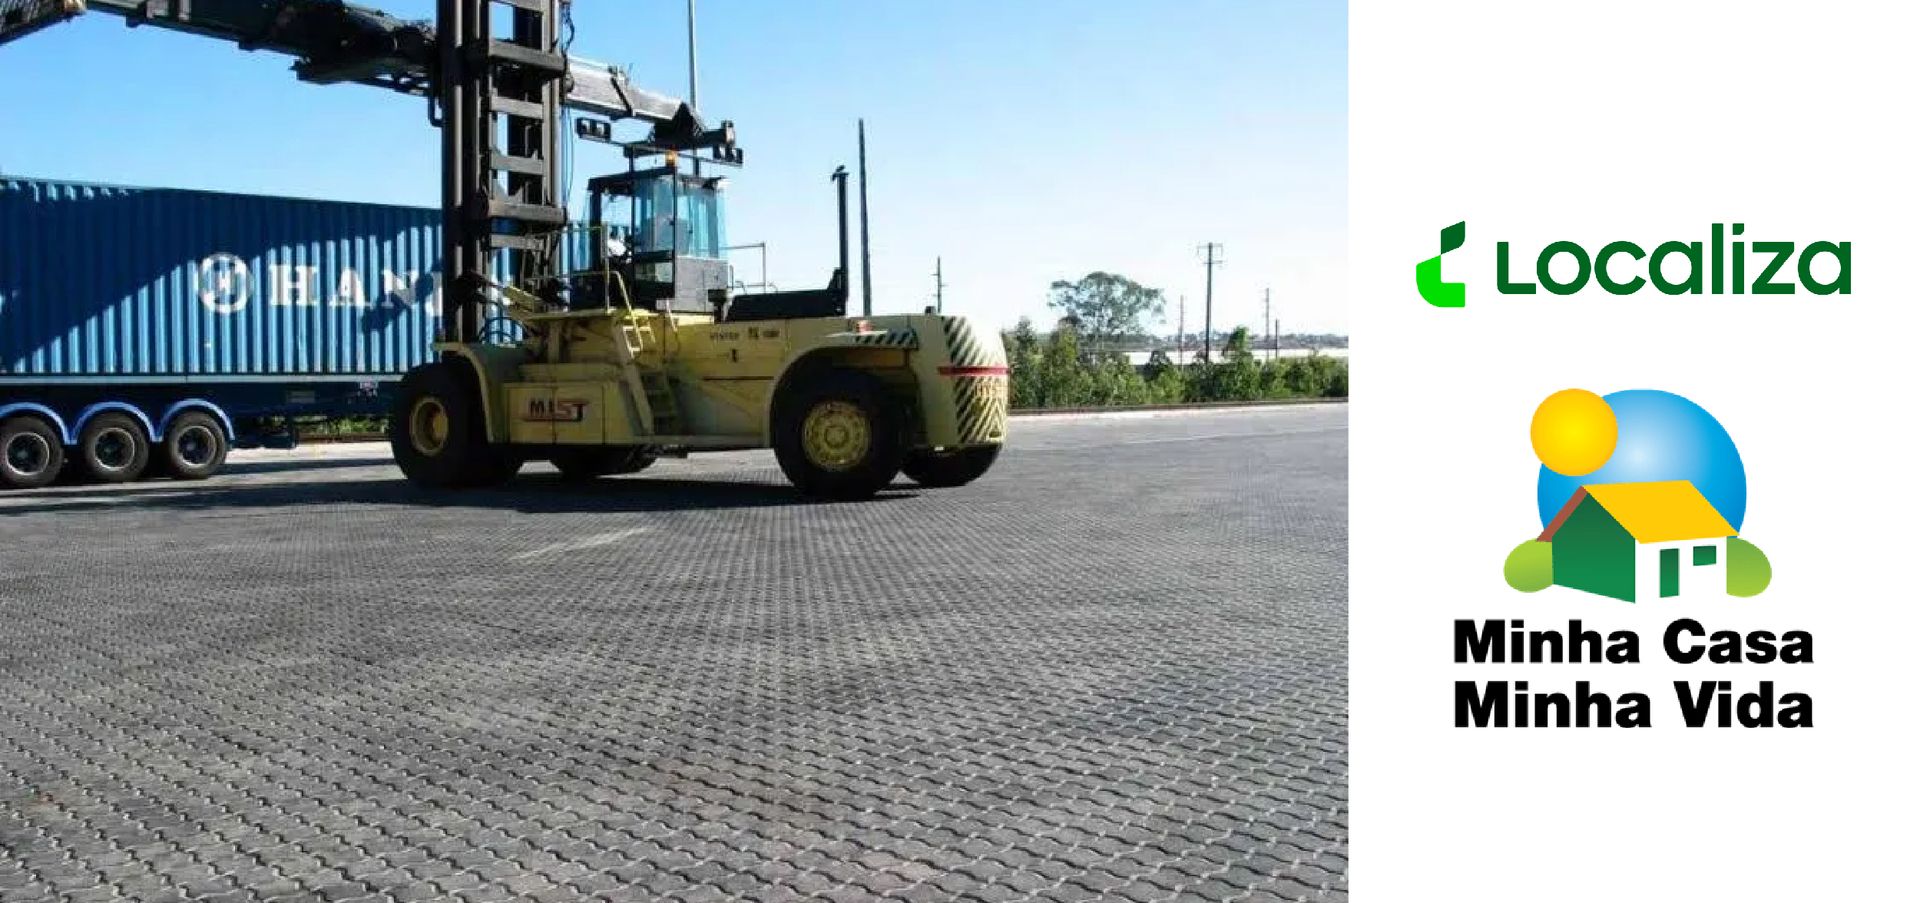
(1574, 432)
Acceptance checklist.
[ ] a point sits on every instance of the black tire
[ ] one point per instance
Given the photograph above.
(588, 462)
(439, 433)
(195, 446)
(31, 453)
(637, 460)
(857, 446)
(949, 469)
(114, 448)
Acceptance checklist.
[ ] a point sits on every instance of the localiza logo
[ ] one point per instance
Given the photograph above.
(1727, 263)
(1438, 291)
(1641, 495)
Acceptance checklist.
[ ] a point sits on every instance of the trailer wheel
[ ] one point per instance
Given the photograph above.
(114, 448)
(30, 453)
(439, 434)
(948, 469)
(837, 435)
(195, 446)
(591, 461)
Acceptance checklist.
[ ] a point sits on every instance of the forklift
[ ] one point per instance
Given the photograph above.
(602, 345)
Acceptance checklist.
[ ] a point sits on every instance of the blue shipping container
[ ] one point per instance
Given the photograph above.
(101, 281)
(147, 330)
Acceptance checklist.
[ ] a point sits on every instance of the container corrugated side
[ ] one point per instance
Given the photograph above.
(106, 281)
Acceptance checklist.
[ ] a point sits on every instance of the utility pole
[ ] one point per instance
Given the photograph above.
(866, 252)
(693, 76)
(939, 288)
(1273, 337)
(1212, 249)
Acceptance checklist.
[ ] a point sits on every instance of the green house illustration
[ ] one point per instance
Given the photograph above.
(1636, 541)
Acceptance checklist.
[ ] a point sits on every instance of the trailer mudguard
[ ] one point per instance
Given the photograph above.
(67, 436)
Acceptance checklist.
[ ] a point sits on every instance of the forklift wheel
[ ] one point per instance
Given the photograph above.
(949, 469)
(837, 435)
(589, 462)
(439, 435)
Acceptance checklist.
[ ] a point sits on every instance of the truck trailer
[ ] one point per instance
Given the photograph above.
(148, 330)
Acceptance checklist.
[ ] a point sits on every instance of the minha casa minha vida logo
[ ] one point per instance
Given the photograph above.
(1641, 496)
(1728, 262)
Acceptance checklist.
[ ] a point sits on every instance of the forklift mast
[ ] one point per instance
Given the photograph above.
(488, 81)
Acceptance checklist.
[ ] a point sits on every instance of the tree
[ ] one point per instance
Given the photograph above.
(1106, 305)
(1064, 380)
(1235, 377)
(1024, 364)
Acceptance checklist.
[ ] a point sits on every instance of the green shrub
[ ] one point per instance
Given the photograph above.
(1055, 372)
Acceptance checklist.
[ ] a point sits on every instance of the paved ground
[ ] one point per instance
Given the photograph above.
(1115, 668)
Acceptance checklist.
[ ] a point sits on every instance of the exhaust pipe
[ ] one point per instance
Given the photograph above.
(840, 275)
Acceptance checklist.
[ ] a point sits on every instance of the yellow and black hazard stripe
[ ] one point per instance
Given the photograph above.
(892, 338)
(977, 363)
(980, 408)
(966, 347)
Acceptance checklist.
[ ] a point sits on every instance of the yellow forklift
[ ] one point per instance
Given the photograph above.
(645, 351)
(601, 346)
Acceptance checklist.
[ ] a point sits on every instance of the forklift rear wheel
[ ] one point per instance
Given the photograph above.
(30, 453)
(837, 435)
(589, 462)
(439, 434)
(114, 448)
(943, 470)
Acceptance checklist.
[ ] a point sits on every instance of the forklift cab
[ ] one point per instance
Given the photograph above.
(657, 240)
(659, 233)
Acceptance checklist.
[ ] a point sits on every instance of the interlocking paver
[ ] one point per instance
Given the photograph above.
(1113, 669)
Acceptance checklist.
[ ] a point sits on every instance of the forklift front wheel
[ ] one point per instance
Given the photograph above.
(439, 434)
(837, 435)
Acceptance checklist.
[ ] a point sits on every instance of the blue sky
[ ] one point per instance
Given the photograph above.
(1022, 141)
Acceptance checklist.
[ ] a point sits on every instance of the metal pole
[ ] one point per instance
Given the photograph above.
(1213, 260)
(1273, 338)
(939, 287)
(840, 191)
(693, 73)
(866, 251)
(1207, 339)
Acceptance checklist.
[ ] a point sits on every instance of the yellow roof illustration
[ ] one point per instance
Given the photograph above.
(1661, 512)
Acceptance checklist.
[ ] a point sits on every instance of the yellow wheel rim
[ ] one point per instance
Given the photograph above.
(428, 426)
(836, 435)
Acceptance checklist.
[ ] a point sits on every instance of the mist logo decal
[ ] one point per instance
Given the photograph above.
(1437, 290)
(1641, 495)
(559, 410)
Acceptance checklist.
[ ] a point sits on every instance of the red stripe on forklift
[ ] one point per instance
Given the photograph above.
(973, 371)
